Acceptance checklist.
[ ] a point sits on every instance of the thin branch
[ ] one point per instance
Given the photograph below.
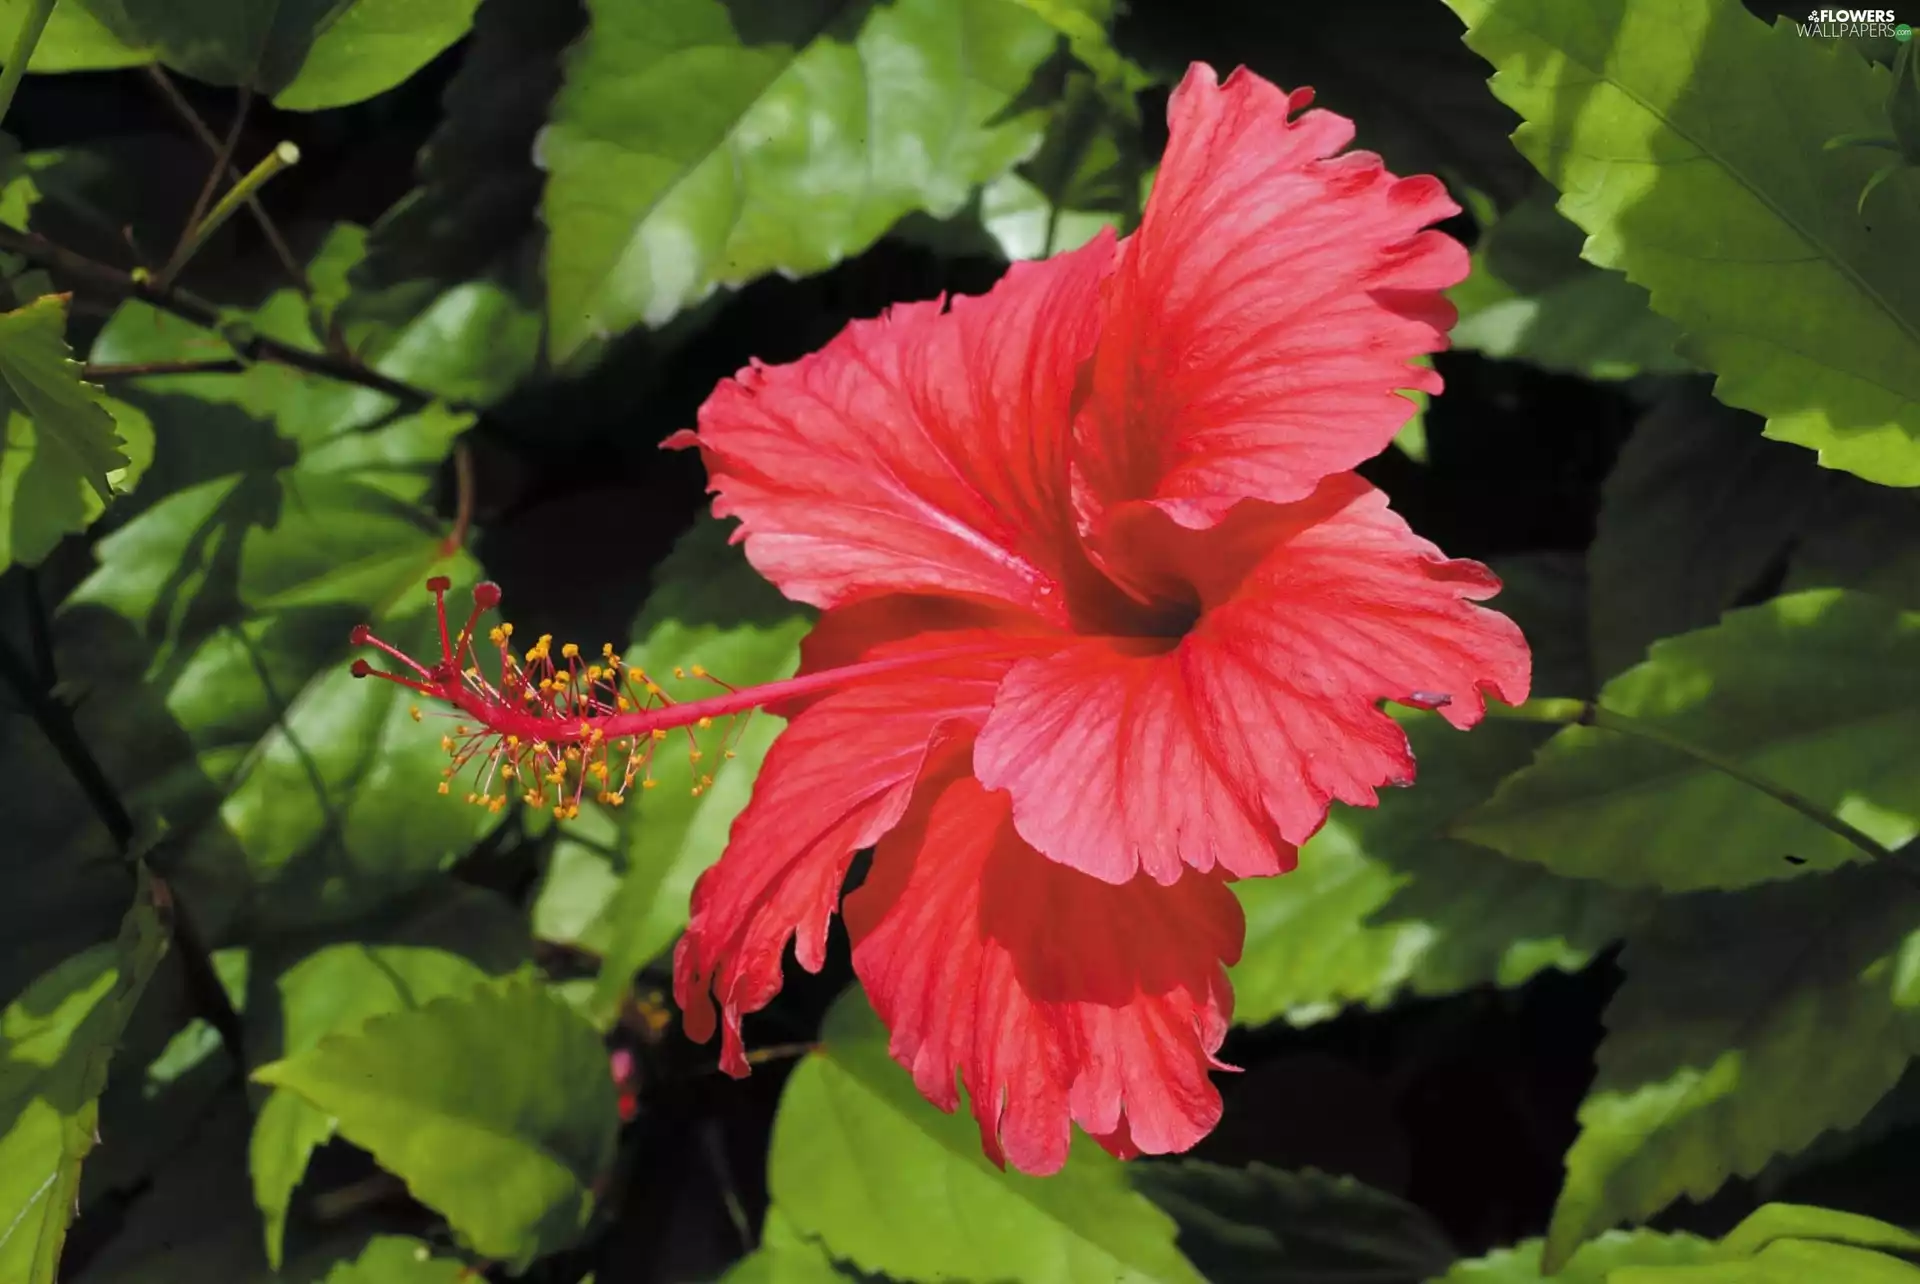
(178, 101)
(246, 189)
(97, 373)
(39, 632)
(55, 721)
(463, 500)
(189, 307)
(222, 162)
(1588, 713)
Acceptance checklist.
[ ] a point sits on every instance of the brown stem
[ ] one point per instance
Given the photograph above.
(178, 101)
(96, 373)
(222, 162)
(188, 307)
(463, 500)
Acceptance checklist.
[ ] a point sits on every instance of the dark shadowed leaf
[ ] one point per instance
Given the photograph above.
(1698, 508)
(1384, 904)
(1261, 1225)
(1750, 1023)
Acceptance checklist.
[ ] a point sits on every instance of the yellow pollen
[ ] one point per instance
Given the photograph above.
(705, 723)
(443, 787)
(648, 783)
(694, 755)
(496, 804)
(679, 672)
(570, 652)
(593, 672)
(728, 753)
(698, 671)
(446, 744)
(654, 689)
(415, 713)
(622, 703)
(659, 733)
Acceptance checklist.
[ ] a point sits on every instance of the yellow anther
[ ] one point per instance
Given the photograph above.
(573, 811)
(705, 723)
(509, 771)
(728, 753)
(496, 804)
(679, 672)
(617, 799)
(706, 782)
(513, 742)
(648, 783)
(559, 813)
(446, 744)
(443, 787)
(497, 635)
(659, 733)
(415, 713)
(460, 730)
(473, 798)
(622, 703)
(593, 672)
(654, 689)
(570, 652)
(693, 755)
(698, 671)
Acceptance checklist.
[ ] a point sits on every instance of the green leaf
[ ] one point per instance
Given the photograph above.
(56, 1041)
(708, 607)
(449, 947)
(785, 1256)
(1383, 904)
(1698, 507)
(475, 210)
(305, 54)
(74, 40)
(1530, 298)
(1801, 1221)
(398, 1259)
(1789, 1261)
(495, 1107)
(697, 144)
(1688, 141)
(1815, 691)
(1261, 1225)
(282, 510)
(60, 456)
(1749, 1023)
(1594, 1263)
(892, 1185)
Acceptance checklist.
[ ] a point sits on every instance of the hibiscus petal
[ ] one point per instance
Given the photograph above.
(1226, 749)
(922, 451)
(839, 777)
(1055, 996)
(1264, 314)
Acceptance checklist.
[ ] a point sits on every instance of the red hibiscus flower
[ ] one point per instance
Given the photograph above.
(1107, 623)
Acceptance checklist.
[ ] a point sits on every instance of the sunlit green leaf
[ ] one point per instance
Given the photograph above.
(1383, 903)
(1815, 691)
(1789, 1261)
(1689, 142)
(892, 1185)
(1749, 1023)
(785, 1256)
(697, 144)
(495, 1107)
(61, 455)
(74, 39)
(1593, 1264)
(56, 1041)
(396, 1259)
(450, 945)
